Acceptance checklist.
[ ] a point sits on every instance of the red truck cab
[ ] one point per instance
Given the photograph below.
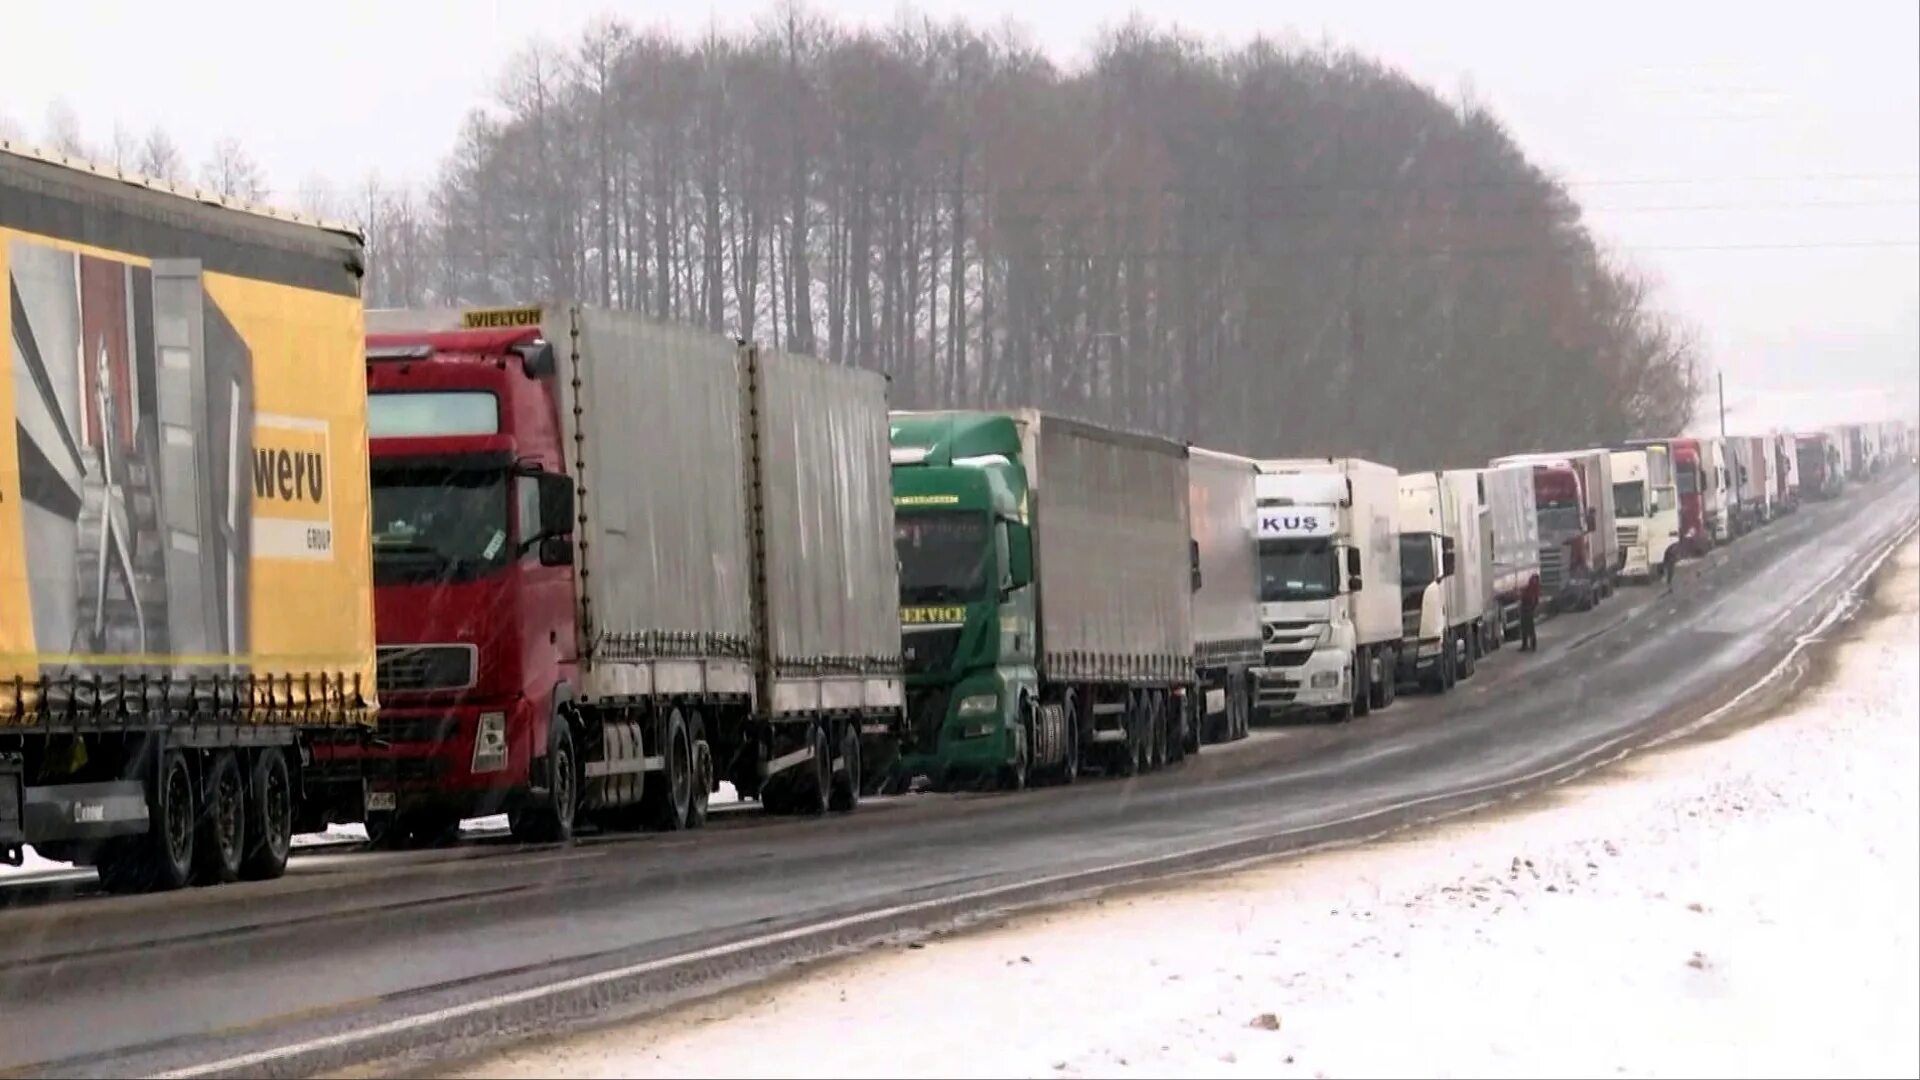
(1694, 539)
(1566, 536)
(472, 608)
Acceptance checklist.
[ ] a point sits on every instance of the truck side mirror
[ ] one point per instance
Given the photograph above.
(556, 505)
(1353, 565)
(1356, 583)
(1019, 554)
(1193, 559)
(554, 540)
(1446, 557)
(1593, 518)
(556, 551)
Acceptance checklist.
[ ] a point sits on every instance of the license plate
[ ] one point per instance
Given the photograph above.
(380, 800)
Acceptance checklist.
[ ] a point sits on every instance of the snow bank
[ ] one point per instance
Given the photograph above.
(1744, 906)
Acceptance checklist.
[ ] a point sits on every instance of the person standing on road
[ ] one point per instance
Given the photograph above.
(1529, 603)
(1667, 562)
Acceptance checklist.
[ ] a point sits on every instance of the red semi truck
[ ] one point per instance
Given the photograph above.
(600, 586)
(1572, 571)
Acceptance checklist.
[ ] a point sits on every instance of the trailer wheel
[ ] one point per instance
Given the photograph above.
(1070, 720)
(552, 822)
(162, 858)
(702, 774)
(815, 790)
(1470, 651)
(668, 804)
(846, 782)
(1156, 733)
(1126, 758)
(220, 840)
(269, 817)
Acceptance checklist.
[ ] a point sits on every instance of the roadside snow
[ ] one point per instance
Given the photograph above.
(1743, 906)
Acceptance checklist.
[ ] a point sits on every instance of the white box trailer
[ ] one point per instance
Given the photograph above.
(1515, 522)
(1226, 597)
(1329, 585)
(1473, 562)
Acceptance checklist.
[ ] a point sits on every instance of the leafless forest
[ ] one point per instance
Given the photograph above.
(1273, 250)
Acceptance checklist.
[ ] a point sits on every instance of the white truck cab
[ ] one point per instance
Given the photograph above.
(1646, 509)
(1329, 586)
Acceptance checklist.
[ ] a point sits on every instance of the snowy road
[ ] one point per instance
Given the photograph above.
(1741, 906)
(415, 957)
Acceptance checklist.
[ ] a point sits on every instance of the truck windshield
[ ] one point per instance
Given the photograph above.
(1416, 559)
(438, 524)
(943, 555)
(1559, 522)
(1297, 570)
(1630, 499)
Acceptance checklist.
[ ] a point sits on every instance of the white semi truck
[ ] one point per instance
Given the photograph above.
(1329, 586)
(1646, 508)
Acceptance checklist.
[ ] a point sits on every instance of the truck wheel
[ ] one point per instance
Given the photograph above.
(1470, 650)
(1362, 702)
(162, 858)
(553, 822)
(1449, 668)
(220, 838)
(1381, 691)
(667, 804)
(269, 817)
(846, 783)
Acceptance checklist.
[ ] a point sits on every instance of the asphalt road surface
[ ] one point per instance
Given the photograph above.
(398, 961)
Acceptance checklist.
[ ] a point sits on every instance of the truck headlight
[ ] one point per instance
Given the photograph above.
(490, 743)
(978, 705)
(1324, 680)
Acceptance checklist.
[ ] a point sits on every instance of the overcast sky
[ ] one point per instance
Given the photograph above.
(1762, 161)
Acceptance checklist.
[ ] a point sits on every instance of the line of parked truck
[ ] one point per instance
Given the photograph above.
(269, 562)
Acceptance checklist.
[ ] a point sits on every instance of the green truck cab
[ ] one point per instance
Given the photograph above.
(1046, 578)
(966, 601)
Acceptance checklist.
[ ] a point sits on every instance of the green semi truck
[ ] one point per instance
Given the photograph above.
(1046, 581)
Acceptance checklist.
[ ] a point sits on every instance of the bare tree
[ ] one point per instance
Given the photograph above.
(232, 173)
(1275, 248)
(159, 158)
(63, 130)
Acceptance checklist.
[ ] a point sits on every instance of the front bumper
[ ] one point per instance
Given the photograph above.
(424, 756)
(1321, 681)
(1422, 657)
(940, 743)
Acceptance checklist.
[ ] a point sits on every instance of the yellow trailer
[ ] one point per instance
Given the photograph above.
(185, 582)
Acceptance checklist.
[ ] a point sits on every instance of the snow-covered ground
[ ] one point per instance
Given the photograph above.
(1743, 906)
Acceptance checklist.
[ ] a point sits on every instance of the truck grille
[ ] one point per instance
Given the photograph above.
(418, 729)
(417, 668)
(1629, 535)
(1553, 569)
(1287, 657)
(926, 711)
(929, 650)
